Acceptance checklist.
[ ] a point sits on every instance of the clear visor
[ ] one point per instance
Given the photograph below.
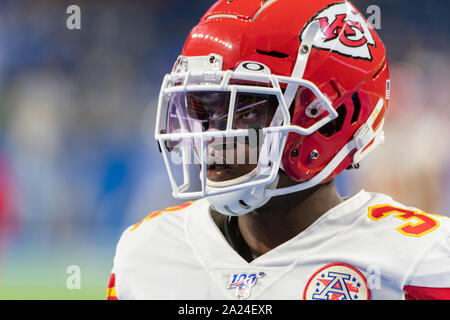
(203, 111)
(227, 157)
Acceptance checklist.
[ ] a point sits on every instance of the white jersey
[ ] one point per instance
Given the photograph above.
(368, 247)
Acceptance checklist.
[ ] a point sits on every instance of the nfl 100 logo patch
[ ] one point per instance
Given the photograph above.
(243, 283)
(337, 281)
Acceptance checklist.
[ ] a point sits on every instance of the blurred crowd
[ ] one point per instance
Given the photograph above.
(76, 127)
(77, 109)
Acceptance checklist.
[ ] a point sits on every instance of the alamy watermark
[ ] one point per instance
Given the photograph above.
(73, 281)
(373, 277)
(73, 21)
(374, 16)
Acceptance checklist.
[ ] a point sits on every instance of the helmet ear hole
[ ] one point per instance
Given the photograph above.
(357, 107)
(335, 125)
(275, 54)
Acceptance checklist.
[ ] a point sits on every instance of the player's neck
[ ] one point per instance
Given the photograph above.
(284, 217)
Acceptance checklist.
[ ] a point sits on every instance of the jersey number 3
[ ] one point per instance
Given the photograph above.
(419, 223)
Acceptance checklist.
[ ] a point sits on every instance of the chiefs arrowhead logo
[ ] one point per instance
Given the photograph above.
(342, 30)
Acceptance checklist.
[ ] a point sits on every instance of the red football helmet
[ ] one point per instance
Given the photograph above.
(319, 63)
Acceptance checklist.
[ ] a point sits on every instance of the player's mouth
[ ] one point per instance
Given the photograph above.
(222, 162)
(218, 166)
(220, 172)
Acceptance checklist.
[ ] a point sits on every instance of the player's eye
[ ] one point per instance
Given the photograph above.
(250, 111)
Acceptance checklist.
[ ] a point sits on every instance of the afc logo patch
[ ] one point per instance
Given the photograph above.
(342, 30)
(337, 281)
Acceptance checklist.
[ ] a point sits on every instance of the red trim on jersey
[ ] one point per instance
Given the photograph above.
(112, 280)
(157, 213)
(425, 293)
(111, 291)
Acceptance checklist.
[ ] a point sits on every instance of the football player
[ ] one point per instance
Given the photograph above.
(268, 102)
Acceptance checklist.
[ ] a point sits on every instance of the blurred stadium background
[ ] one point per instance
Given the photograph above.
(78, 162)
